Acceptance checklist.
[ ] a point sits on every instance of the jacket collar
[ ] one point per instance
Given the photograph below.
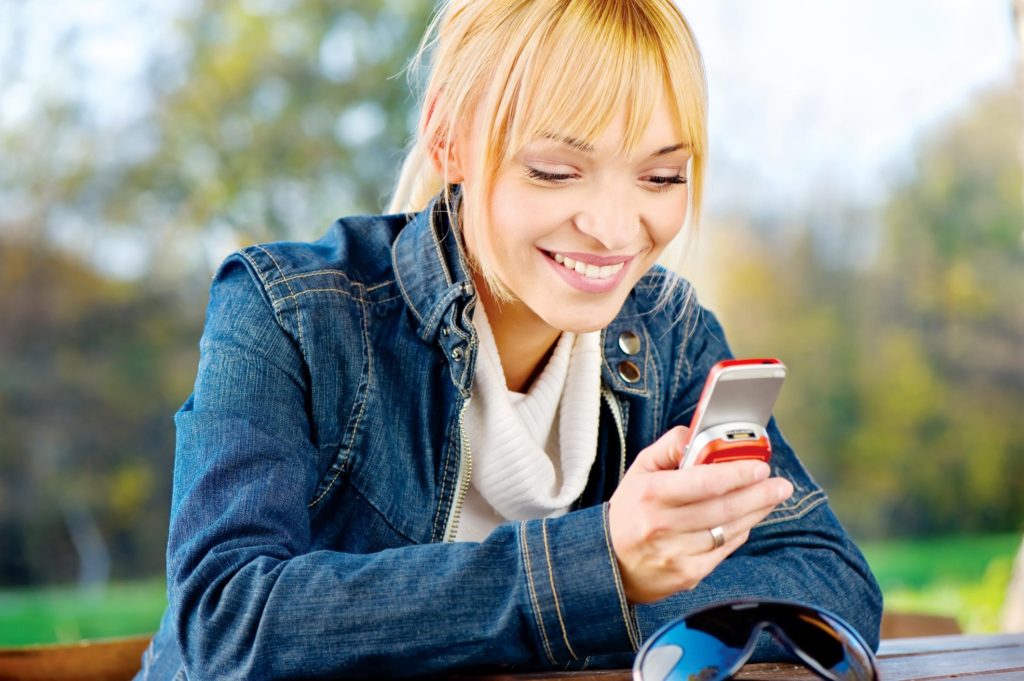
(430, 268)
(628, 356)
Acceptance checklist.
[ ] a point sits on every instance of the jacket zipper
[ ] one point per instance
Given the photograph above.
(465, 455)
(465, 472)
(613, 405)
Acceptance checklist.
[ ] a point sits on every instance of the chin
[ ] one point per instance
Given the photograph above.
(581, 322)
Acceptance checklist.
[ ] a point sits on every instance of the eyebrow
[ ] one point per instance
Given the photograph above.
(669, 149)
(589, 148)
(572, 142)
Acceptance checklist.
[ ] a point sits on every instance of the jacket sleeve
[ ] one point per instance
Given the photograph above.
(251, 597)
(799, 552)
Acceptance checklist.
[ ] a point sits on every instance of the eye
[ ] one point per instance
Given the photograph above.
(666, 182)
(535, 174)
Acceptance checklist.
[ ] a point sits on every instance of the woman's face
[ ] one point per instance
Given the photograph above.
(574, 223)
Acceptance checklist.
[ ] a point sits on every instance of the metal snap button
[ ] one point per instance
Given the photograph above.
(629, 342)
(457, 354)
(629, 372)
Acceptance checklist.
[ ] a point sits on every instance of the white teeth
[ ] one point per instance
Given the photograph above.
(588, 271)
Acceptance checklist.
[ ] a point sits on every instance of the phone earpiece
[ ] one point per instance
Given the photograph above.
(732, 442)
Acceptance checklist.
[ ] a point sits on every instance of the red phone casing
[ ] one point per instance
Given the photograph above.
(719, 451)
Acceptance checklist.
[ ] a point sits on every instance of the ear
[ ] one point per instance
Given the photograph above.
(439, 151)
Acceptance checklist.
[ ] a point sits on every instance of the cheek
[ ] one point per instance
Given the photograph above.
(667, 221)
(522, 214)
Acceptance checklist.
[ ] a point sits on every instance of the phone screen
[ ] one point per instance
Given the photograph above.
(745, 394)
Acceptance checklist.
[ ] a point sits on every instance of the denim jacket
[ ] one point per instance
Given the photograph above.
(321, 463)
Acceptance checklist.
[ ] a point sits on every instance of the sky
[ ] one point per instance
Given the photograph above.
(808, 98)
(813, 96)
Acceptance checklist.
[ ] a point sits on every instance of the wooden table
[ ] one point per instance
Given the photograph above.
(975, 658)
(997, 657)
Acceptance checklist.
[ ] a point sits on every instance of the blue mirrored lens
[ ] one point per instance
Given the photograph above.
(681, 654)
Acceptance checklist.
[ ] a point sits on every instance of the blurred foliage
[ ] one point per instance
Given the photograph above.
(918, 564)
(268, 119)
(66, 615)
(282, 116)
(977, 604)
(906, 382)
(965, 577)
(91, 370)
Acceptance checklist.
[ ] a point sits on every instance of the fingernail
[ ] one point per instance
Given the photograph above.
(761, 471)
(783, 489)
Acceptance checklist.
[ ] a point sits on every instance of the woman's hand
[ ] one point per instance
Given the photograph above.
(660, 517)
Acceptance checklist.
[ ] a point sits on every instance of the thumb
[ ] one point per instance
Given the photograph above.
(666, 452)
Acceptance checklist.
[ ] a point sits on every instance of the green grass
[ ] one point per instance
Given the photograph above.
(64, 615)
(965, 577)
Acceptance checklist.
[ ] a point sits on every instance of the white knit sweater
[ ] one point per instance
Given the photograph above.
(531, 452)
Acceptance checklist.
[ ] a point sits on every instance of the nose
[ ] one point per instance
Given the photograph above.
(610, 218)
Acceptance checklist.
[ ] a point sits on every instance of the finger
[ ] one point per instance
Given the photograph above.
(729, 510)
(676, 488)
(732, 506)
(701, 544)
(733, 540)
(738, 531)
(702, 557)
(666, 452)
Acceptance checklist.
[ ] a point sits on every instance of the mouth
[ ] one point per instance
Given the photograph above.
(594, 268)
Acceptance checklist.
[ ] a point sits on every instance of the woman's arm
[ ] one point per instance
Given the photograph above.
(249, 597)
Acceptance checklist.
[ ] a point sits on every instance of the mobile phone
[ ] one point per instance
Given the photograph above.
(733, 411)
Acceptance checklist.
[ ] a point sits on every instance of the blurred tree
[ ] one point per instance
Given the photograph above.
(91, 372)
(1017, 8)
(1013, 611)
(282, 116)
(951, 278)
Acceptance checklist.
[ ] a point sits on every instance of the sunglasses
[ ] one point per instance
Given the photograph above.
(711, 644)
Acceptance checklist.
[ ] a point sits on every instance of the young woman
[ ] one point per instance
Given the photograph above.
(448, 437)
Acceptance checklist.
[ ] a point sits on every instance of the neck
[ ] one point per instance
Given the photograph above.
(524, 340)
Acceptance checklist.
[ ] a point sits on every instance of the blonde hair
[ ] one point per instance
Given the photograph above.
(520, 69)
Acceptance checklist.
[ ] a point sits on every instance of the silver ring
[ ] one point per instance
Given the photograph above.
(717, 536)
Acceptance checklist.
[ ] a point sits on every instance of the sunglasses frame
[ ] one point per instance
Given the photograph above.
(837, 623)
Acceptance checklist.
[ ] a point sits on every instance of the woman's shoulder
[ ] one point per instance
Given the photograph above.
(352, 257)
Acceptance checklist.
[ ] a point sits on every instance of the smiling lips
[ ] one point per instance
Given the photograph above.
(589, 270)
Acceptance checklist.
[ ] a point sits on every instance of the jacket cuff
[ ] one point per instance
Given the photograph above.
(575, 588)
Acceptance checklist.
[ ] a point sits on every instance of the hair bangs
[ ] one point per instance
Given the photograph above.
(582, 71)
